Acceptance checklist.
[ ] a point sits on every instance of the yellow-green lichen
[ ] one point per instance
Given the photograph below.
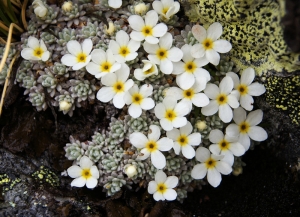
(7, 182)
(45, 176)
(284, 93)
(253, 27)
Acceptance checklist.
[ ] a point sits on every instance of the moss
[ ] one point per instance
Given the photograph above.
(284, 93)
(45, 176)
(253, 27)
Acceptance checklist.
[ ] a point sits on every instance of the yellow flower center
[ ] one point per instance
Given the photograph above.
(86, 173)
(137, 98)
(210, 163)
(161, 53)
(149, 71)
(224, 145)
(147, 30)
(183, 140)
(208, 44)
(170, 115)
(161, 188)
(38, 52)
(151, 146)
(165, 10)
(222, 99)
(189, 93)
(105, 67)
(244, 127)
(124, 51)
(81, 57)
(118, 87)
(243, 89)
(190, 67)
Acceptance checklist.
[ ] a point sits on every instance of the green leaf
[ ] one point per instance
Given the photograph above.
(10, 12)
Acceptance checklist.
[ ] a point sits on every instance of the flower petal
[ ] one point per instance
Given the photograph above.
(175, 54)
(151, 40)
(176, 146)
(200, 100)
(160, 177)
(186, 129)
(185, 80)
(122, 38)
(166, 66)
(257, 133)
(133, 45)
(225, 113)
(147, 104)
(74, 171)
(170, 194)
(94, 69)
(199, 171)
(237, 149)
(179, 122)
(123, 73)
(247, 102)
(151, 18)
(85, 163)
(174, 92)
(67, 59)
(158, 196)
(136, 22)
(256, 89)
(247, 76)
(232, 101)
(33, 42)
(188, 151)
(212, 56)
(137, 36)
(87, 46)
(239, 115)
(157, 6)
(160, 110)
(232, 130)
(115, 3)
(74, 47)
(105, 94)
(223, 168)
(135, 110)
(214, 177)
(199, 32)
(215, 136)
(198, 51)
(91, 182)
(226, 85)
(95, 172)
(45, 56)
(212, 91)
(158, 159)
(173, 134)
(214, 31)
(244, 140)
(154, 133)
(171, 182)
(202, 154)
(144, 154)
(152, 187)
(78, 182)
(211, 108)
(118, 100)
(165, 144)
(255, 117)
(166, 124)
(182, 108)
(166, 41)
(215, 149)
(194, 139)
(222, 46)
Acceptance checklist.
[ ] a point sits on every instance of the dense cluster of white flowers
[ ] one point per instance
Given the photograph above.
(193, 91)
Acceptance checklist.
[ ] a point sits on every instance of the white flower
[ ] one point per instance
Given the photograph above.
(84, 174)
(210, 164)
(123, 49)
(189, 69)
(36, 50)
(222, 99)
(152, 146)
(102, 63)
(162, 187)
(138, 99)
(166, 8)
(116, 86)
(39, 8)
(163, 53)
(115, 3)
(208, 45)
(225, 145)
(80, 54)
(191, 95)
(171, 113)
(246, 88)
(148, 70)
(184, 140)
(147, 30)
(245, 127)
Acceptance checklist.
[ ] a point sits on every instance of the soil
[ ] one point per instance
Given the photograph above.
(269, 185)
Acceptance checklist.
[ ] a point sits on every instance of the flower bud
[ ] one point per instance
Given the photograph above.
(131, 171)
(67, 6)
(201, 125)
(39, 8)
(111, 28)
(64, 105)
(140, 8)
